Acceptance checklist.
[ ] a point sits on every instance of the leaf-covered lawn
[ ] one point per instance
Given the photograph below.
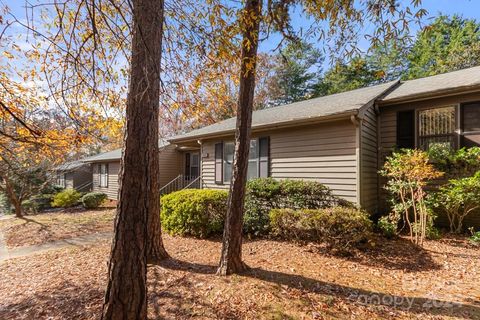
(47, 227)
(286, 281)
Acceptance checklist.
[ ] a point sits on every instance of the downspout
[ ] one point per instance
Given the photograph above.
(357, 122)
(201, 163)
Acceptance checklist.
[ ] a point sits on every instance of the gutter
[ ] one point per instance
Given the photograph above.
(269, 126)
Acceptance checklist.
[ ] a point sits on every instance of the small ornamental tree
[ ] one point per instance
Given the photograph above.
(408, 172)
(458, 198)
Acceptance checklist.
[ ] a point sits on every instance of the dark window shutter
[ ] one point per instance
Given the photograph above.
(264, 157)
(406, 129)
(219, 163)
(99, 168)
(470, 118)
(106, 173)
(187, 164)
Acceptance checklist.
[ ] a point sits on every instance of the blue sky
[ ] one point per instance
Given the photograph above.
(464, 8)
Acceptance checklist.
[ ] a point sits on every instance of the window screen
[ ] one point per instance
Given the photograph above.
(436, 127)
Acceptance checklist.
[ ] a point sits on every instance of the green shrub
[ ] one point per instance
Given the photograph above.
(265, 194)
(340, 228)
(459, 163)
(43, 201)
(387, 226)
(66, 198)
(30, 206)
(93, 200)
(475, 238)
(194, 212)
(458, 198)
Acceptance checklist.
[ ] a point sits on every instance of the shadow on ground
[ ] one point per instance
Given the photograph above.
(412, 304)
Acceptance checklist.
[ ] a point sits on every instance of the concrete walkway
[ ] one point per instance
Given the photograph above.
(80, 241)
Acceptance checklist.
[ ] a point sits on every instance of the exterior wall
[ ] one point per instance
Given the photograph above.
(388, 116)
(369, 160)
(78, 178)
(171, 164)
(324, 152)
(388, 137)
(112, 189)
(82, 177)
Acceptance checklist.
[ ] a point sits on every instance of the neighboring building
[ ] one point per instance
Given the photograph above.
(339, 140)
(74, 175)
(106, 168)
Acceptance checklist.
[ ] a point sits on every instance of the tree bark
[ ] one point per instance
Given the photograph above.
(12, 198)
(126, 293)
(231, 256)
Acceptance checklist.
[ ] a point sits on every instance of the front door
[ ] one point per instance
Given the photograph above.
(192, 165)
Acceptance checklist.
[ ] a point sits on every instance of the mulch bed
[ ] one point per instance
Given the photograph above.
(393, 280)
(52, 226)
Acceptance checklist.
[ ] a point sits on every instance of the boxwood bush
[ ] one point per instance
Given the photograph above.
(66, 198)
(340, 228)
(265, 194)
(194, 212)
(93, 200)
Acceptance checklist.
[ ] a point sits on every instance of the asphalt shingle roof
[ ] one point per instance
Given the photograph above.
(442, 83)
(335, 104)
(68, 166)
(116, 154)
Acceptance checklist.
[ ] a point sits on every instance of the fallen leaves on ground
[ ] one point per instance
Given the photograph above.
(394, 280)
(52, 226)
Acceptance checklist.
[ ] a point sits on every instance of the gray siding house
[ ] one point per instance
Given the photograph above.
(74, 175)
(106, 168)
(340, 140)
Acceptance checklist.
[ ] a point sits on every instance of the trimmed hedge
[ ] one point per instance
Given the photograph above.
(340, 228)
(265, 194)
(66, 198)
(194, 212)
(93, 200)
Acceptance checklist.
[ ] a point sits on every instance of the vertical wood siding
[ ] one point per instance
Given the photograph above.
(323, 152)
(369, 160)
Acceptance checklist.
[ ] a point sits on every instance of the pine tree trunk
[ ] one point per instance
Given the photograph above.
(126, 294)
(231, 257)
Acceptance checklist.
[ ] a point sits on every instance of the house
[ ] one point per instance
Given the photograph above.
(106, 168)
(74, 175)
(339, 140)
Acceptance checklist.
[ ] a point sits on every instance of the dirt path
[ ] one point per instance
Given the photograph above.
(80, 241)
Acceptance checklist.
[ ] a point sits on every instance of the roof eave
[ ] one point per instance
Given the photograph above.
(429, 95)
(270, 126)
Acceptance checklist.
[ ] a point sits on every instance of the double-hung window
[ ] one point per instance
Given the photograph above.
(61, 179)
(258, 160)
(103, 175)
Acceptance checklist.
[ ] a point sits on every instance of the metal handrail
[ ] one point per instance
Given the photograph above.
(179, 183)
(84, 186)
(197, 179)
